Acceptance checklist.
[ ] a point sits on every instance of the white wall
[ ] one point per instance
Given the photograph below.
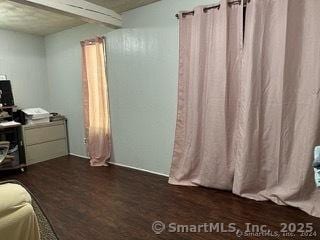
(64, 76)
(23, 60)
(142, 72)
(142, 75)
(143, 78)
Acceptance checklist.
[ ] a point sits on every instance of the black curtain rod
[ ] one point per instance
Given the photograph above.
(216, 6)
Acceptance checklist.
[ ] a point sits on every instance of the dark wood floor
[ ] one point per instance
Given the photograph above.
(85, 203)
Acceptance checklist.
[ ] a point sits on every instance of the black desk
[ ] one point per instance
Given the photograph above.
(12, 134)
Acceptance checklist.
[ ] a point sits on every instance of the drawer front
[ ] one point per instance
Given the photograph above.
(44, 134)
(45, 151)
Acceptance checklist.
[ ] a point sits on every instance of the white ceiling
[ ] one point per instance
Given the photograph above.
(122, 5)
(23, 18)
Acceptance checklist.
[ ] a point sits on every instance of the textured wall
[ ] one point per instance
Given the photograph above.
(22, 58)
(143, 77)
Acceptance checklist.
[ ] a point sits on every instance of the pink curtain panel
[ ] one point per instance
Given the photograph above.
(95, 102)
(249, 109)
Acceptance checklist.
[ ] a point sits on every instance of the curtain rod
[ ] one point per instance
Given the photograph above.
(93, 40)
(216, 6)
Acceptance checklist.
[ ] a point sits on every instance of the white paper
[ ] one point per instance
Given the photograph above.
(9, 124)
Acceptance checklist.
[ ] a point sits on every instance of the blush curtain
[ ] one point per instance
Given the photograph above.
(95, 101)
(210, 42)
(249, 114)
(279, 115)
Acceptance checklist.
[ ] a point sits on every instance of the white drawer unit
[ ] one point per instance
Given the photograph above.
(45, 141)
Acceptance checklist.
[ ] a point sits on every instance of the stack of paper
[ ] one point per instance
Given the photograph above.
(36, 115)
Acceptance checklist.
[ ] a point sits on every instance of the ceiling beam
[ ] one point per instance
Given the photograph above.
(87, 11)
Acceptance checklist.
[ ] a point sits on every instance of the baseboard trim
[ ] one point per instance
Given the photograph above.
(138, 169)
(124, 165)
(80, 156)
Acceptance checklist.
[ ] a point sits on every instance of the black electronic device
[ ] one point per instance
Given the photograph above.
(6, 96)
(19, 116)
